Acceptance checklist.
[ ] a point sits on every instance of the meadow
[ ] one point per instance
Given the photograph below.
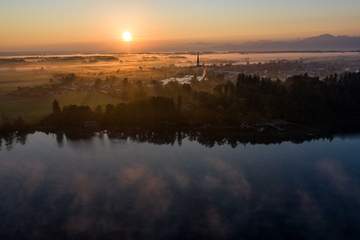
(25, 80)
(32, 72)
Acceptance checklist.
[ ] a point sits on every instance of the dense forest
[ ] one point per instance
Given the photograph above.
(250, 102)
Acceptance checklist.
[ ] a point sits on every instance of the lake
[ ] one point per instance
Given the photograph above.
(54, 187)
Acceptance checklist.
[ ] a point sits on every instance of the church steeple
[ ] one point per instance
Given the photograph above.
(198, 60)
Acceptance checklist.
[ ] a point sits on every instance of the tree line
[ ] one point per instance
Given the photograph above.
(332, 102)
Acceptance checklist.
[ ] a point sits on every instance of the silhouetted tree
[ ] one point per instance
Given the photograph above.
(179, 103)
(56, 107)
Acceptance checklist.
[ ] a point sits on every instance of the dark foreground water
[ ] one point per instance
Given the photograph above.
(103, 188)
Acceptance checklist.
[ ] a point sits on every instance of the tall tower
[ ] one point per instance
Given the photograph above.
(198, 59)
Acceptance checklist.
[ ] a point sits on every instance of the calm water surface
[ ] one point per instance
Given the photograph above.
(103, 188)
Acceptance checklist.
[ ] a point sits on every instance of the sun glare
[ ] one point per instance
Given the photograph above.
(127, 37)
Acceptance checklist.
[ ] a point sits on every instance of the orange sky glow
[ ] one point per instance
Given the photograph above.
(35, 23)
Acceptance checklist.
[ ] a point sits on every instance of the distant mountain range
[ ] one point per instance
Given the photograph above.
(324, 42)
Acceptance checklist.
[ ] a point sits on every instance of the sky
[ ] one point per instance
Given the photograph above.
(26, 24)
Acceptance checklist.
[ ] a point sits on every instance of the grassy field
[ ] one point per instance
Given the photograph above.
(39, 71)
(11, 79)
(33, 108)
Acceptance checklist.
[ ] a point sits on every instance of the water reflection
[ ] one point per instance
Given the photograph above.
(170, 137)
(60, 186)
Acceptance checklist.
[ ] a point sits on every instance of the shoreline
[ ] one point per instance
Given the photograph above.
(207, 136)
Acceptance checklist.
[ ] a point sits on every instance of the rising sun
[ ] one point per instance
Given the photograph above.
(127, 36)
